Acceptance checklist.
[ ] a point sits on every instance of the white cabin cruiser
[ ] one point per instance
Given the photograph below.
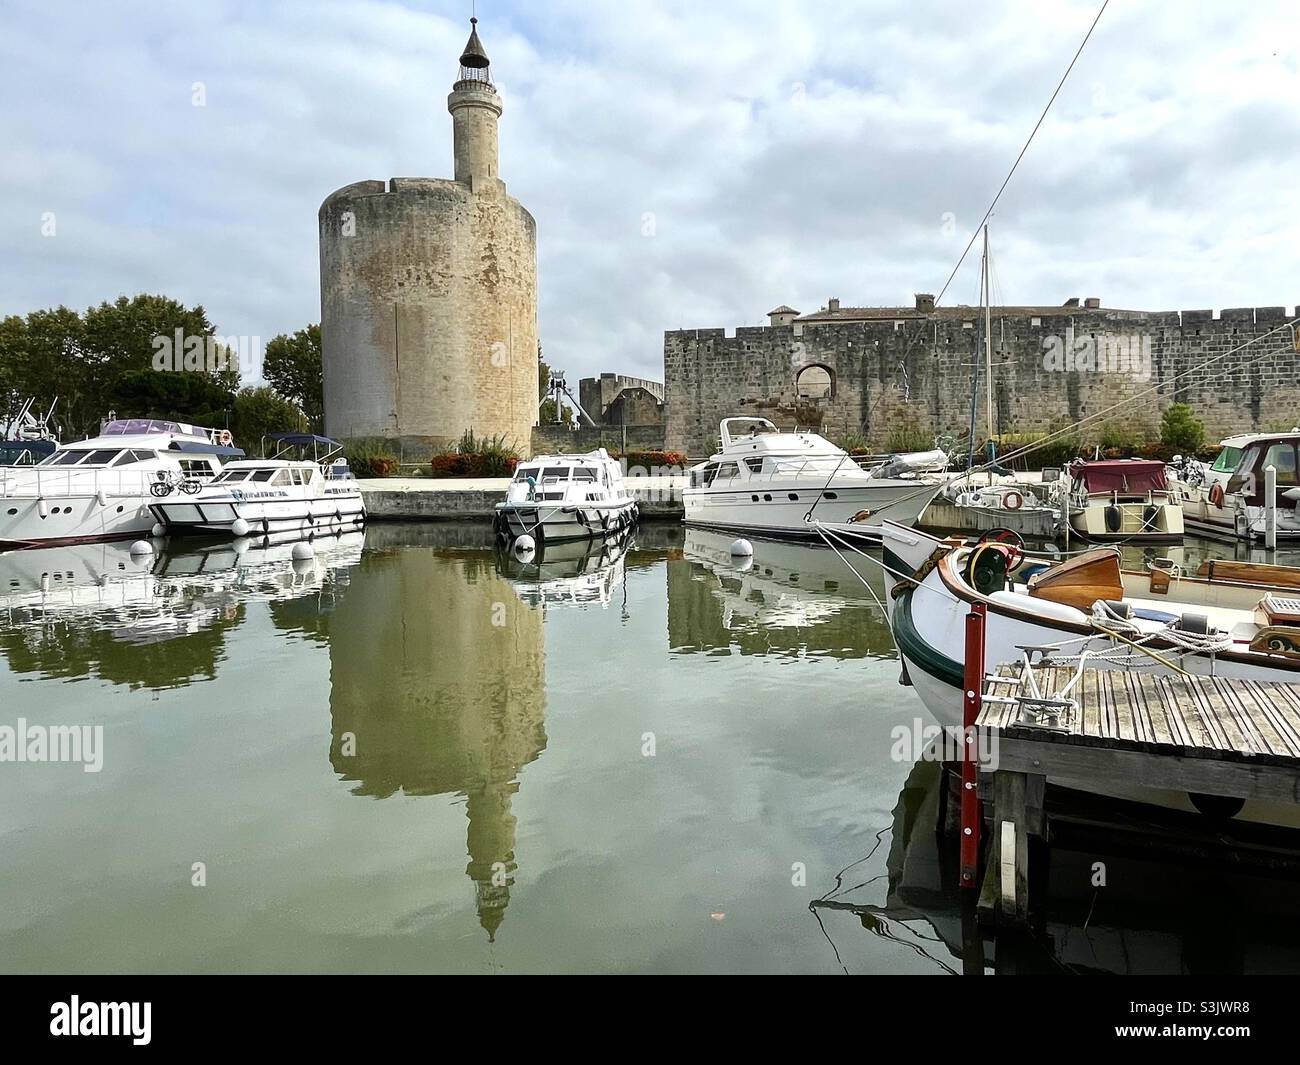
(101, 488)
(1226, 499)
(566, 497)
(275, 495)
(773, 483)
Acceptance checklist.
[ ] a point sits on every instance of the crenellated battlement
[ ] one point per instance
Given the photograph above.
(891, 365)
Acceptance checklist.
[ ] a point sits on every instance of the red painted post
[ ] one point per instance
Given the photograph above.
(972, 697)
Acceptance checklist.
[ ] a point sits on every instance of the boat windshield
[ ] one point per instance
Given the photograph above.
(1227, 460)
(822, 464)
(83, 457)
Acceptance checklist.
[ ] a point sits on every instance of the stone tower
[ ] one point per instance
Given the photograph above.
(429, 293)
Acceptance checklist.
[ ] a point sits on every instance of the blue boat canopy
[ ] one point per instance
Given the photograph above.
(13, 451)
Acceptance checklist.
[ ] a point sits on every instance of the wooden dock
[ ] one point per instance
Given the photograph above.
(1220, 741)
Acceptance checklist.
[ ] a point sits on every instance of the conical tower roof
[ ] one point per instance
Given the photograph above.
(474, 57)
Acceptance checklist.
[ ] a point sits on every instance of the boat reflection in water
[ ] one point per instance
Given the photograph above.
(148, 620)
(1132, 925)
(460, 707)
(568, 573)
(786, 597)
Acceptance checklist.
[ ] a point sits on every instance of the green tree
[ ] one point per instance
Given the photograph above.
(293, 368)
(192, 397)
(1181, 430)
(83, 358)
(259, 412)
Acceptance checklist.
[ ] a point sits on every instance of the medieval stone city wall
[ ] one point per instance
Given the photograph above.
(1047, 368)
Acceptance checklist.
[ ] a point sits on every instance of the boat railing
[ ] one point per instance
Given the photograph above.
(786, 468)
(53, 483)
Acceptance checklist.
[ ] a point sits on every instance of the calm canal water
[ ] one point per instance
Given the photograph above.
(413, 754)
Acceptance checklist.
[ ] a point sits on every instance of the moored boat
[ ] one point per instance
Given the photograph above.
(275, 495)
(1227, 499)
(555, 498)
(1122, 619)
(101, 488)
(772, 483)
(1123, 499)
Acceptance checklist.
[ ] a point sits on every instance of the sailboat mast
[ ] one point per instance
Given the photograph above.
(988, 335)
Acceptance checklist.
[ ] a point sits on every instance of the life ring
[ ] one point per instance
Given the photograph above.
(1013, 500)
(1216, 495)
(224, 438)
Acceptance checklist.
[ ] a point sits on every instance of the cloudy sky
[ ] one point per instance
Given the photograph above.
(689, 164)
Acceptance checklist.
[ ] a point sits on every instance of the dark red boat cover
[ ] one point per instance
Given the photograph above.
(1126, 476)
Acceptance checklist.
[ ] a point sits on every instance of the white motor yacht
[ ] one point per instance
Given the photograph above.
(566, 497)
(275, 495)
(101, 488)
(774, 483)
(1226, 499)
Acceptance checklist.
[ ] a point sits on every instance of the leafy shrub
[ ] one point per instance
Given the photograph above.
(476, 456)
(908, 437)
(370, 456)
(1181, 430)
(853, 442)
(1117, 440)
(1058, 451)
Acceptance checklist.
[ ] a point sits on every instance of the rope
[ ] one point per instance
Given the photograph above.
(1006, 181)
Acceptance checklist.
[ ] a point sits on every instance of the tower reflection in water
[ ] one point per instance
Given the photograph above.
(437, 688)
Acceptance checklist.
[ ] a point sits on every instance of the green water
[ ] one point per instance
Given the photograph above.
(412, 754)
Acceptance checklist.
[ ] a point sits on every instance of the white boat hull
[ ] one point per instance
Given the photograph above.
(216, 516)
(928, 622)
(779, 509)
(71, 519)
(560, 522)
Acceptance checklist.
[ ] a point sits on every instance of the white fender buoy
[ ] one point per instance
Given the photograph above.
(142, 547)
(101, 497)
(301, 550)
(42, 508)
(239, 527)
(742, 549)
(159, 529)
(525, 543)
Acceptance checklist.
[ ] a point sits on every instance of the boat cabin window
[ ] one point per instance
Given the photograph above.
(144, 456)
(720, 471)
(1227, 459)
(524, 472)
(584, 473)
(555, 473)
(230, 476)
(261, 475)
(281, 477)
(755, 464)
(1282, 457)
(98, 457)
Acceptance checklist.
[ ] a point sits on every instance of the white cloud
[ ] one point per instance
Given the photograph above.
(788, 152)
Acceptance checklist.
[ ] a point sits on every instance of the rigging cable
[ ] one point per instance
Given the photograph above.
(1019, 157)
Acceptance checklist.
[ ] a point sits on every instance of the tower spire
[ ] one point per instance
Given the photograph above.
(474, 61)
(475, 108)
